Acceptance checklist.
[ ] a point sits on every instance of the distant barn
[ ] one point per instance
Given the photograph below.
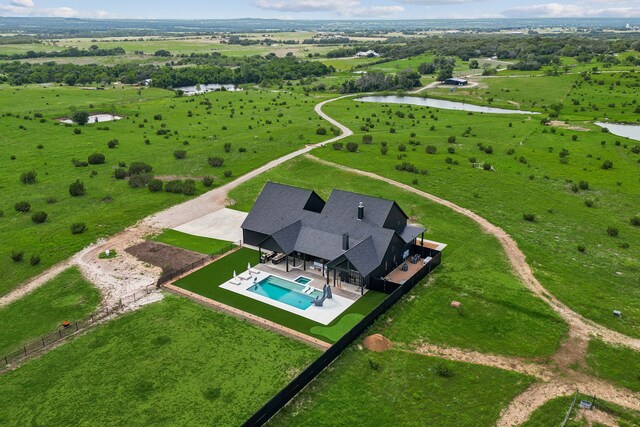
(367, 54)
(455, 81)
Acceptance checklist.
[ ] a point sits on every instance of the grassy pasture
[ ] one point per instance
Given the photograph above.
(197, 365)
(204, 245)
(553, 412)
(207, 280)
(619, 365)
(499, 315)
(66, 297)
(405, 390)
(528, 178)
(259, 126)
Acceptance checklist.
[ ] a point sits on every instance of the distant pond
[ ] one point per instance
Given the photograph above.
(200, 89)
(439, 103)
(628, 131)
(96, 118)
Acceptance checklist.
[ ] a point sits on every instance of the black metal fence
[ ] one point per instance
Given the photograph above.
(167, 277)
(283, 397)
(70, 329)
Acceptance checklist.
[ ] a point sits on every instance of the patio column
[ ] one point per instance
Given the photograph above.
(304, 262)
(287, 262)
(422, 239)
(259, 254)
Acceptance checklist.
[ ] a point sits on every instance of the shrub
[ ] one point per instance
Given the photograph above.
(227, 147)
(402, 148)
(352, 147)
(96, 159)
(155, 185)
(51, 200)
(207, 181)
(35, 259)
(23, 207)
(180, 154)
(529, 217)
(451, 139)
(581, 248)
(174, 186)
(79, 164)
(77, 131)
(77, 189)
(584, 185)
(78, 227)
(384, 150)
(321, 131)
(574, 187)
(119, 173)
(157, 117)
(80, 117)
(635, 220)
(607, 164)
(431, 149)
(39, 217)
(488, 149)
(367, 139)
(140, 180)
(216, 162)
(227, 174)
(443, 370)
(487, 166)
(189, 187)
(589, 203)
(407, 167)
(612, 231)
(28, 177)
(337, 145)
(113, 143)
(374, 365)
(17, 256)
(137, 168)
(451, 150)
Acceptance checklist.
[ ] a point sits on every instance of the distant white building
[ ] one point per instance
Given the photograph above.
(367, 54)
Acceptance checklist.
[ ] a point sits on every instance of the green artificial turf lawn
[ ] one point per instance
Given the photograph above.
(204, 245)
(207, 281)
(499, 315)
(397, 388)
(620, 365)
(170, 363)
(66, 297)
(277, 124)
(528, 177)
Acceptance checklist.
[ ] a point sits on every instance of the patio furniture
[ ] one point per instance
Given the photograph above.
(244, 276)
(276, 259)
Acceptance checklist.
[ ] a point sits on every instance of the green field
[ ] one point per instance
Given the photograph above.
(498, 316)
(170, 363)
(529, 177)
(207, 281)
(619, 365)
(204, 245)
(201, 126)
(66, 297)
(397, 388)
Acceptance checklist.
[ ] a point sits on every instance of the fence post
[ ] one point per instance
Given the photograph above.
(25, 350)
(43, 344)
(60, 332)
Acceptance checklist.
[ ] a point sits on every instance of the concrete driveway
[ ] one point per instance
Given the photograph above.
(223, 224)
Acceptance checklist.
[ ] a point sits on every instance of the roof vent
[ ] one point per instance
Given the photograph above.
(360, 211)
(345, 242)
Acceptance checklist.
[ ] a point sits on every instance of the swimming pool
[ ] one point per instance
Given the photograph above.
(285, 291)
(302, 280)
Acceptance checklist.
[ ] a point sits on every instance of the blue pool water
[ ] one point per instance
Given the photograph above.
(287, 292)
(302, 280)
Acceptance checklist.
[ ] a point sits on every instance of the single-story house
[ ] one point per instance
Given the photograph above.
(456, 81)
(367, 54)
(353, 238)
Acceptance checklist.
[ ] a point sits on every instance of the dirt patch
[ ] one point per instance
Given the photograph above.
(377, 342)
(168, 258)
(597, 416)
(565, 125)
(175, 177)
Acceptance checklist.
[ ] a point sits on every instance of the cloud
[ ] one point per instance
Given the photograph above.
(351, 8)
(557, 10)
(29, 8)
(438, 2)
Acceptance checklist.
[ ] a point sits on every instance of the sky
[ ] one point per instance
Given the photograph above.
(321, 9)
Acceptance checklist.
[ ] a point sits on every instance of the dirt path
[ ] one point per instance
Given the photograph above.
(36, 282)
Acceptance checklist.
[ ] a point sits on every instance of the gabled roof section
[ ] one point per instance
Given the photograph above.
(342, 207)
(411, 232)
(280, 204)
(287, 237)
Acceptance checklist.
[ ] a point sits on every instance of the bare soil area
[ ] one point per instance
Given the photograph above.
(168, 258)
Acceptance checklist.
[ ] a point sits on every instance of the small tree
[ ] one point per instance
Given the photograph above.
(352, 147)
(28, 177)
(216, 162)
(96, 159)
(612, 231)
(431, 149)
(584, 185)
(384, 150)
(207, 181)
(451, 139)
(189, 187)
(35, 259)
(367, 139)
(180, 154)
(39, 217)
(17, 256)
(607, 164)
(338, 145)
(80, 117)
(119, 173)
(155, 185)
(321, 131)
(77, 189)
(113, 143)
(227, 147)
(22, 206)
(78, 227)
(635, 220)
(137, 168)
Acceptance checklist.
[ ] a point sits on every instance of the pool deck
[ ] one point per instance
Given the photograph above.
(324, 315)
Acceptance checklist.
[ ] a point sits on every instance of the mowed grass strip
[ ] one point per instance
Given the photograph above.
(396, 388)
(170, 363)
(207, 281)
(204, 245)
(66, 297)
(499, 315)
(617, 364)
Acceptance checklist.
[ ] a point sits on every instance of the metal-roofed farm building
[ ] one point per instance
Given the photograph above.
(351, 238)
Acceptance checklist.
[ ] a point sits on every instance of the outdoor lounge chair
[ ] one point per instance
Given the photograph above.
(254, 271)
(244, 276)
(234, 281)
